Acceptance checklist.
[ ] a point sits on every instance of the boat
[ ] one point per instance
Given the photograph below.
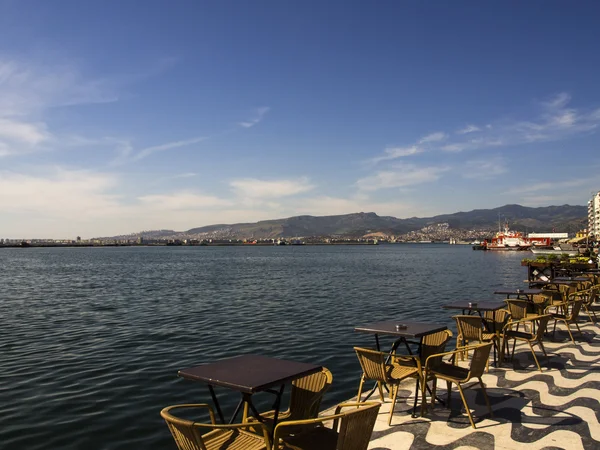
(508, 240)
(561, 249)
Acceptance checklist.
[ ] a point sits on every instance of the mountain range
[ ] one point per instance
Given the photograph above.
(565, 218)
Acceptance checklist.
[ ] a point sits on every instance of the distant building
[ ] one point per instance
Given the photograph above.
(594, 215)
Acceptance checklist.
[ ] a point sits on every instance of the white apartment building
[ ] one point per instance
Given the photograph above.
(594, 216)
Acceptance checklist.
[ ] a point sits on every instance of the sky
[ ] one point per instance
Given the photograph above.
(118, 117)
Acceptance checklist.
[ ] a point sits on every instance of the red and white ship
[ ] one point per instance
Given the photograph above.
(514, 240)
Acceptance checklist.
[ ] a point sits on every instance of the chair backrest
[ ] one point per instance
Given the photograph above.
(307, 393)
(565, 290)
(517, 308)
(186, 435)
(372, 363)
(469, 327)
(542, 324)
(433, 344)
(481, 354)
(574, 309)
(356, 426)
(500, 317)
(591, 296)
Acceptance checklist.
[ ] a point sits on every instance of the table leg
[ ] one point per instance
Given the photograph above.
(216, 403)
(276, 407)
(237, 410)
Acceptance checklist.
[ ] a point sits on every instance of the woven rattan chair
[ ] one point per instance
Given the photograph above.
(351, 430)
(305, 398)
(529, 337)
(189, 435)
(569, 315)
(460, 375)
(471, 328)
(588, 298)
(376, 368)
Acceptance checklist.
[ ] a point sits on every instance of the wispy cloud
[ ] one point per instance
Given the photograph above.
(402, 175)
(468, 129)
(168, 146)
(258, 117)
(397, 152)
(483, 169)
(29, 90)
(433, 137)
(554, 121)
(254, 188)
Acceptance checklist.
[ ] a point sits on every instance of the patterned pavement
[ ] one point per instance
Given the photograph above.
(557, 408)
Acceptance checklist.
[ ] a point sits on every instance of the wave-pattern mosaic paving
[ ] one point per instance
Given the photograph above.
(556, 408)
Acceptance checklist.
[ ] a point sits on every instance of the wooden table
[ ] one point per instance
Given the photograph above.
(527, 294)
(477, 306)
(412, 330)
(249, 374)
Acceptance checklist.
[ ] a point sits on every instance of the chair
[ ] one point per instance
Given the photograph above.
(460, 375)
(188, 434)
(589, 296)
(376, 368)
(531, 338)
(305, 398)
(471, 328)
(351, 430)
(568, 316)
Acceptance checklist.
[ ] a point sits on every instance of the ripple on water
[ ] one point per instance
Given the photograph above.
(91, 339)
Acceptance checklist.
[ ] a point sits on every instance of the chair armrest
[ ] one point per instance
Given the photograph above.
(341, 406)
(281, 426)
(211, 413)
(454, 352)
(414, 358)
(556, 305)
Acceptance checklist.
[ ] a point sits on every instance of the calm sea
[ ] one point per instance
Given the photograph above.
(91, 338)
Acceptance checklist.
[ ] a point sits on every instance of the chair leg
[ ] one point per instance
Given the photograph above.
(360, 388)
(424, 397)
(449, 386)
(578, 329)
(485, 396)
(380, 391)
(462, 395)
(433, 392)
(395, 389)
(534, 357)
(569, 330)
(545, 354)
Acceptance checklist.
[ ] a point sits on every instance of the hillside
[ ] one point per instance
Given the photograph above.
(563, 218)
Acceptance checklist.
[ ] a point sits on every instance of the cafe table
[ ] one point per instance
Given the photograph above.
(249, 374)
(402, 330)
(526, 294)
(470, 306)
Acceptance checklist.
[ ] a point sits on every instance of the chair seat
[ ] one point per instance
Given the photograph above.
(518, 334)
(449, 371)
(319, 438)
(559, 316)
(399, 372)
(488, 336)
(233, 440)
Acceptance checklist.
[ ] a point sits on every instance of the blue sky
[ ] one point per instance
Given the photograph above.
(117, 117)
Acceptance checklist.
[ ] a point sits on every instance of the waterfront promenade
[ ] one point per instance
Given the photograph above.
(558, 408)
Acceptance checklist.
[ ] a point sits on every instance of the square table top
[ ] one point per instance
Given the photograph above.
(412, 330)
(518, 291)
(249, 373)
(492, 305)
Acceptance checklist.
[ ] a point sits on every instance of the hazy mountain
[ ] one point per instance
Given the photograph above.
(564, 218)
